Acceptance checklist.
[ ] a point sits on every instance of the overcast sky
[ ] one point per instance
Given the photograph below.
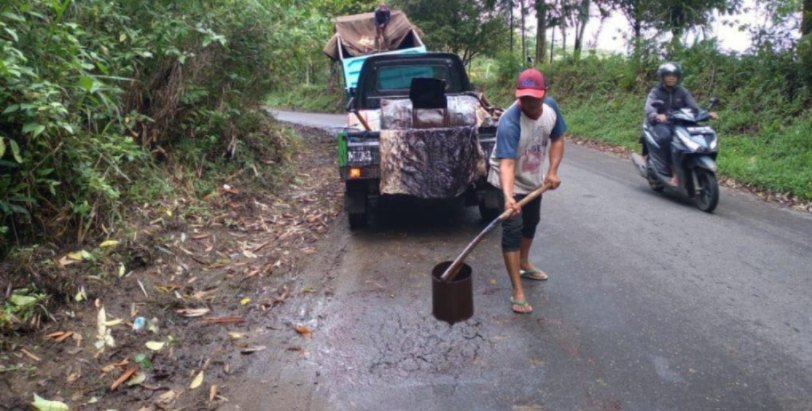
(609, 34)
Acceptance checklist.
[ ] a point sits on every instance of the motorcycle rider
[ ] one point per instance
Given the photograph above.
(673, 97)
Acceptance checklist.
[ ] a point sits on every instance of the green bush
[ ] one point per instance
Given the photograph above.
(92, 91)
(765, 106)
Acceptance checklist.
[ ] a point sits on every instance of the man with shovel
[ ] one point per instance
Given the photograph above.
(525, 131)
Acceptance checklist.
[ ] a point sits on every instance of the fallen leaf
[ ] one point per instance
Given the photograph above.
(245, 301)
(113, 323)
(42, 404)
(304, 331)
(251, 350)
(108, 244)
(168, 396)
(236, 335)
(66, 261)
(224, 320)
(155, 345)
(193, 312)
(124, 377)
(152, 325)
(212, 393)
(197, 381)
(110, 367)
(64, 337)
(77, 256)
(30, 355)
(105, 338)
(137, 379)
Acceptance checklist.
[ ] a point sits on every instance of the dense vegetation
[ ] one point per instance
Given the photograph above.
(109, 102)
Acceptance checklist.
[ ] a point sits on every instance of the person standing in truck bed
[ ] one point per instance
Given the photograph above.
(382, 18)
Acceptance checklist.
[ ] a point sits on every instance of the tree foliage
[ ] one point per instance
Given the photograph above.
(465, 27)
(92, 91)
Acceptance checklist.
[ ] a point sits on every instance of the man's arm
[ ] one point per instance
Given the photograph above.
(507, 177)
(556, 155)
(651, 111)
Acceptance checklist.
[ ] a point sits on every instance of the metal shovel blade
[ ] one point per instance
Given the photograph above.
(452, 301)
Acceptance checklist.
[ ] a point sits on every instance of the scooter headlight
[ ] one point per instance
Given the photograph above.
(688, 141)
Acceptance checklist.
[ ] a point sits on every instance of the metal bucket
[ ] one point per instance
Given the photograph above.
(453, 301)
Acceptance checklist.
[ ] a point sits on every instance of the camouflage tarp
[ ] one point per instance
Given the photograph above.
(436, 163)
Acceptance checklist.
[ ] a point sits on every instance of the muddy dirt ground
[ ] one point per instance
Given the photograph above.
(207, 285)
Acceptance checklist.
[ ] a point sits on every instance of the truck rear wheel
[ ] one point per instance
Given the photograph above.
(357, 220)
(488, 214)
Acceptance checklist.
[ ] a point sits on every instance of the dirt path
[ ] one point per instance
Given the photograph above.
(209, 287)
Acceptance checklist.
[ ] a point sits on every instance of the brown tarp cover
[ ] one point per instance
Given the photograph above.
(357, 34)
(435, 163)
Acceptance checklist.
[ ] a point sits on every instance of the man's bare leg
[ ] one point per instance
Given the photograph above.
(512, 264)
(524, 259)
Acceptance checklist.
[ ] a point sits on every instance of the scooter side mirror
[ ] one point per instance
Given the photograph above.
(713, 101)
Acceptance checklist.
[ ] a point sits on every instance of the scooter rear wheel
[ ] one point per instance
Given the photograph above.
(707, 195)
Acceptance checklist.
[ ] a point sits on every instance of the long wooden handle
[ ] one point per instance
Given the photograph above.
(361, 119)
(454, 268)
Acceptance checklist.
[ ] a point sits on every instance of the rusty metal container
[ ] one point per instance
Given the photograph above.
(453, 301)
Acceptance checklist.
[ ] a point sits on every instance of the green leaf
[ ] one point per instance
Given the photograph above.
(15, 151)
(86, 82)
(42, 404)
(13, 16)
(22, 300)
(12, 33)
(12, 108)
(103, 68)
(2, 147)
(34, 128)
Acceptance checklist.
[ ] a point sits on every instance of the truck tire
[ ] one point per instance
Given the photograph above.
(357, 220)
(488, 214)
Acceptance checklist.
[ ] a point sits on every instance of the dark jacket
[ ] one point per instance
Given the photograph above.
(676, 98)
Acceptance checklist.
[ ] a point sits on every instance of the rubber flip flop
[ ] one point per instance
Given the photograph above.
(536, 275)
(520, 304)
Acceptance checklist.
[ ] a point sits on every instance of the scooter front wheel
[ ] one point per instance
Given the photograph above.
(707, 191)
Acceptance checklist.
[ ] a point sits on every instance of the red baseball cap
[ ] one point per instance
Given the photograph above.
(531, 83)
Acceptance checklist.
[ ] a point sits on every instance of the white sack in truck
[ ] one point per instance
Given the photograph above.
(398, 114)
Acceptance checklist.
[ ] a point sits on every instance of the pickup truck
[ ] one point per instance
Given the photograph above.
(388, 77)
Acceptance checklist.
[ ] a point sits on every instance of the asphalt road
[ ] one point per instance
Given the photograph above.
(651, 305)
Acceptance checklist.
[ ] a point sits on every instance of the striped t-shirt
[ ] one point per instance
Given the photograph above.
(521, 138)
